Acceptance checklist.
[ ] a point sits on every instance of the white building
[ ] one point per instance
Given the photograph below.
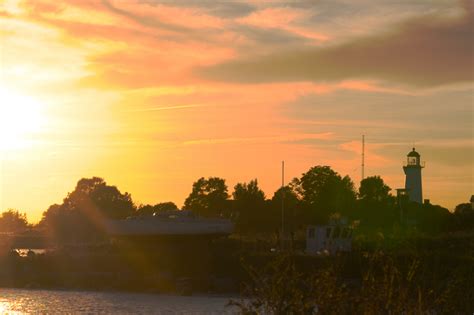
(331, 238)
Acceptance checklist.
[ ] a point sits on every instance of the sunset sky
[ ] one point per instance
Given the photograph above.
(151, 95)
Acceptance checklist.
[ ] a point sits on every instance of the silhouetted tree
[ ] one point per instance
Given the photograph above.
(65, 225)
(13, 221)
(294, 215)
(208, 197)
(250, 206)
(323, 191)
(248, 192)
(84, 210)
(428, 218)
(374, 189)
(464, 216)
(94, 195)
(376, 208)
(146, 210)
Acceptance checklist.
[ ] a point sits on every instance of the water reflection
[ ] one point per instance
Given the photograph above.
(23, 252)
(14, 301)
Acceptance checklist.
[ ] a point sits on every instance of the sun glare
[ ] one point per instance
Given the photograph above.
(20, 119)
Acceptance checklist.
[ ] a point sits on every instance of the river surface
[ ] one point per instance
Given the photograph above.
(18, 301)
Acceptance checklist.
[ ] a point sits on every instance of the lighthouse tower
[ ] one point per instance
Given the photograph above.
(412, 171)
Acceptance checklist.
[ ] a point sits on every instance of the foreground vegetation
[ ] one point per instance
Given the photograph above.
(367, 283)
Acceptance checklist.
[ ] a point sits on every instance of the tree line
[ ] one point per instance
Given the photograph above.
(315, 197)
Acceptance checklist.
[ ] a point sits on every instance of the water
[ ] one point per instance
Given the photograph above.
(23, 252)
(18, 301)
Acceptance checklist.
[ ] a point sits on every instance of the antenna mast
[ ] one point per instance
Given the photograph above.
(282, 200)
(363, 157)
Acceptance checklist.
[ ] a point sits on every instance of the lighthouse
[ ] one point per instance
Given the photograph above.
(412, 170)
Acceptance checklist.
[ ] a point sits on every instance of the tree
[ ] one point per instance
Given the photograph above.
(208, 197)
(250, 205)
(248, 192)
(147, 210)
(83, 212)
(323, 191)
(376, 207)
(428, 218)
(12, 221)
(294, 216)
(374, 189)
(64, 225)
(94, 195)
(464, 216)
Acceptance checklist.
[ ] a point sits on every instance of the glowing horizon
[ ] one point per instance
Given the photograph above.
(153, 95)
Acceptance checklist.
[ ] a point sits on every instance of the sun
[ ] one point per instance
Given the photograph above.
(21, 119)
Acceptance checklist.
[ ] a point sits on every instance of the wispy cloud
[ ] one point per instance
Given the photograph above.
(160, 108)
(265, 139)
(425, 51)
(284, 19)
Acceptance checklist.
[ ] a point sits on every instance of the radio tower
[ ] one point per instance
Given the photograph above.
(363, 156)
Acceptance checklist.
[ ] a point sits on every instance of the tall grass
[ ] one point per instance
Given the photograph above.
(383, 284)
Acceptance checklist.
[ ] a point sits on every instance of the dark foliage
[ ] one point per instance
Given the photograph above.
(83, 212)
(323, 191)
(208, 197)
(148, 210)
(294, 215)
(13, 221)
(464, 216)
(376, 207)
(250, 207)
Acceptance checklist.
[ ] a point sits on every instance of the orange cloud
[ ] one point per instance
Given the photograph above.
(191, 18)
(282, 18)
(427, 51)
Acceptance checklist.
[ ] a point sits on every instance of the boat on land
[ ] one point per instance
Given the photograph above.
(172, 223)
